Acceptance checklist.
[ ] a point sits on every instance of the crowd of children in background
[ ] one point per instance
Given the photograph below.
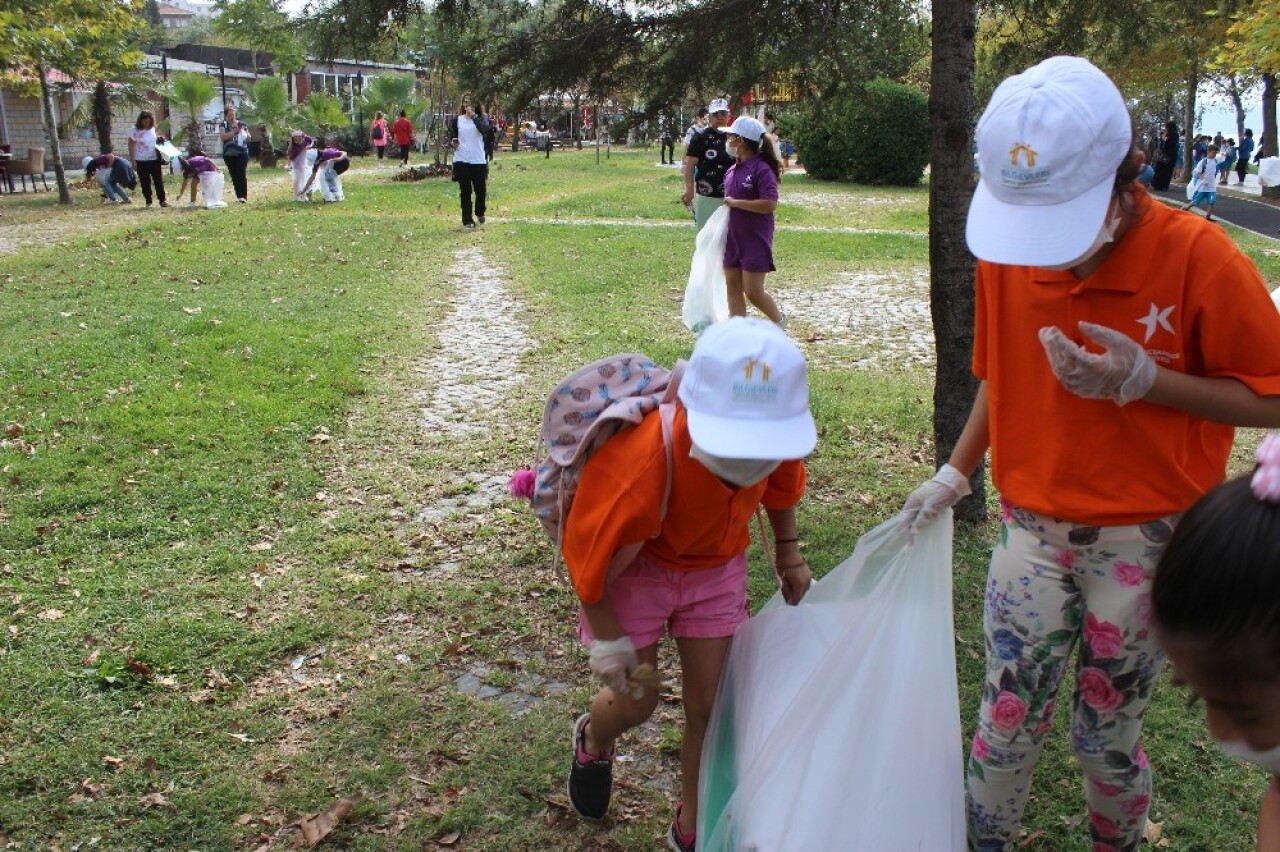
(148, 153)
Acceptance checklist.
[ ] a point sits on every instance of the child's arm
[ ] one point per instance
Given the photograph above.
(1269, 818)
(794, 575)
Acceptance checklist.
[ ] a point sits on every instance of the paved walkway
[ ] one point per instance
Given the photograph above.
(1237, 205)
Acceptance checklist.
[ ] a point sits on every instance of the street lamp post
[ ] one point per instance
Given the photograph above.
(360, 112)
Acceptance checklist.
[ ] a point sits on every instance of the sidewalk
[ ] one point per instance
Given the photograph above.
(1239, 205)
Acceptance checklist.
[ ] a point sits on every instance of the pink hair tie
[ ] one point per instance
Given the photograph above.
(1266, 479)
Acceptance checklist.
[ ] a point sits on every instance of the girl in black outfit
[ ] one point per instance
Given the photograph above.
(235, 152)
(1167, 157)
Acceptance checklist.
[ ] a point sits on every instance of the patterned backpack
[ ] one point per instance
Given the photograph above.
(586, 409)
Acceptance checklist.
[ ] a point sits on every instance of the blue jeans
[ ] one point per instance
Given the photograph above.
(114, 191)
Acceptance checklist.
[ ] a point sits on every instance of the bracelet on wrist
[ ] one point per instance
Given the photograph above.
(786, 541)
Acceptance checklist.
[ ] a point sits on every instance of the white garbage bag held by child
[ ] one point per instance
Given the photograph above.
(837, 722)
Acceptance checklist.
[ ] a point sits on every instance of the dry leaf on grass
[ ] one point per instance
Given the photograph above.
(319, 826)
(51, 614)
(449, 839)
(154, 800)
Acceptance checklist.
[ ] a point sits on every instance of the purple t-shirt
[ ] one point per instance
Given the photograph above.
(748, 180)
(198, 165)
(328, 154)
(104, 161)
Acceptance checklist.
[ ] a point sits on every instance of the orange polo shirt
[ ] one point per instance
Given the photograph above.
(619, 498)
(1177, 285)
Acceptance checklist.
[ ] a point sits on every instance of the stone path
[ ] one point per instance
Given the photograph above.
(882, 316)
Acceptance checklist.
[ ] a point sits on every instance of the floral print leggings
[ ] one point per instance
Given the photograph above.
(1050, 582)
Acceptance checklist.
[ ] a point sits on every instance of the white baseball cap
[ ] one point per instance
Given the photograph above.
(746, 392)
(747, 127)
(718, 105)
(1049, 144)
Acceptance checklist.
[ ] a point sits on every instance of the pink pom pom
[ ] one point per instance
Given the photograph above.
(522, 482)
(1266, 479)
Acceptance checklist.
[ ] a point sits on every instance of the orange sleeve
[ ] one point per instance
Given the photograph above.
(785, 486)
(617, 503)
(1237, 327)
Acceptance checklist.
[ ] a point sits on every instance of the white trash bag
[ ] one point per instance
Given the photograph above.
(211, 184)
(837, 722)
(1193, 186)
(1269, 171)
(705, 299)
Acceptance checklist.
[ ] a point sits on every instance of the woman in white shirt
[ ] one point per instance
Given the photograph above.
(470, 166)
(145, 158)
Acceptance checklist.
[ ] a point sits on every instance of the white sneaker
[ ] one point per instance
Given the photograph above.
(190, 205)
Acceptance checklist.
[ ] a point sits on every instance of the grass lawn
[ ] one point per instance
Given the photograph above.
(255, 557)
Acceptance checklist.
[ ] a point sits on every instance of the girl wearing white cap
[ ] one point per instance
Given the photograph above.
(645, 566)
(1116, 344)
(751, 194)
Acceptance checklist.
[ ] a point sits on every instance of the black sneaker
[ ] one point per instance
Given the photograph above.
(470, 226)
(590, 777)
(480, 219)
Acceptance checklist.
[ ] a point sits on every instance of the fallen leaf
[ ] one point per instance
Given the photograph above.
(449, 839)
(244, 819)
(154, 800)
(138, 667)
(13, 430)
(1154, 832)
(319, 826)
(191, 311)
(244, 738)
(92, 658)
(260, 546)
(112, 762)
(51, 614)
(94, 790)
(319, 438)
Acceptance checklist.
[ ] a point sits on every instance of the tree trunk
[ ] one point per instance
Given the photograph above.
(1269, 115)
(51, 132)
(952, 112)
(1189, 117)
(102, 115)
(1237, 104)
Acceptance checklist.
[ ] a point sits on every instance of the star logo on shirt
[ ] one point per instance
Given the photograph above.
(1156, 317)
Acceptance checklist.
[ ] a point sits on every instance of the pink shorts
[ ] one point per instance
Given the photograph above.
(650, 599)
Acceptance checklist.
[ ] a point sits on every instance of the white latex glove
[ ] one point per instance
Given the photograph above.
(1123, 373)
(944, 490)
(613, 661)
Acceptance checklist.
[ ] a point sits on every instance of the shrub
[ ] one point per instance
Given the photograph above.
(879, 135)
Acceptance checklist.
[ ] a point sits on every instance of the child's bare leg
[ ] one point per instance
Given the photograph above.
(733, 287)
(612, 715)
(753, 287)
(701, 661)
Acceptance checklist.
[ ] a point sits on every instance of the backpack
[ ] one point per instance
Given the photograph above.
(342, 165)
(585, 410)
(130, 177)
(377, 133)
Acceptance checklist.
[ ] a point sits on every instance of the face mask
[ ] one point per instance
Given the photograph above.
(1269, 759)
(731, 149)
(741, 472)
(1106, 234)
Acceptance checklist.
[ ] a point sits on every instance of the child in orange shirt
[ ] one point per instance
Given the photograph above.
(739, 432)
(1116, 342)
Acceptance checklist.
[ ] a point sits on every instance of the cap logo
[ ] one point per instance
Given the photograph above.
(1028, 155)
(1027, 175)
(751, 369)
(756, 389)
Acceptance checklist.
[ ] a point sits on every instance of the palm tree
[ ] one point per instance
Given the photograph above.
(322, 113)
(130, 94)
(268, 107)
(389, 93)
(192, 92)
